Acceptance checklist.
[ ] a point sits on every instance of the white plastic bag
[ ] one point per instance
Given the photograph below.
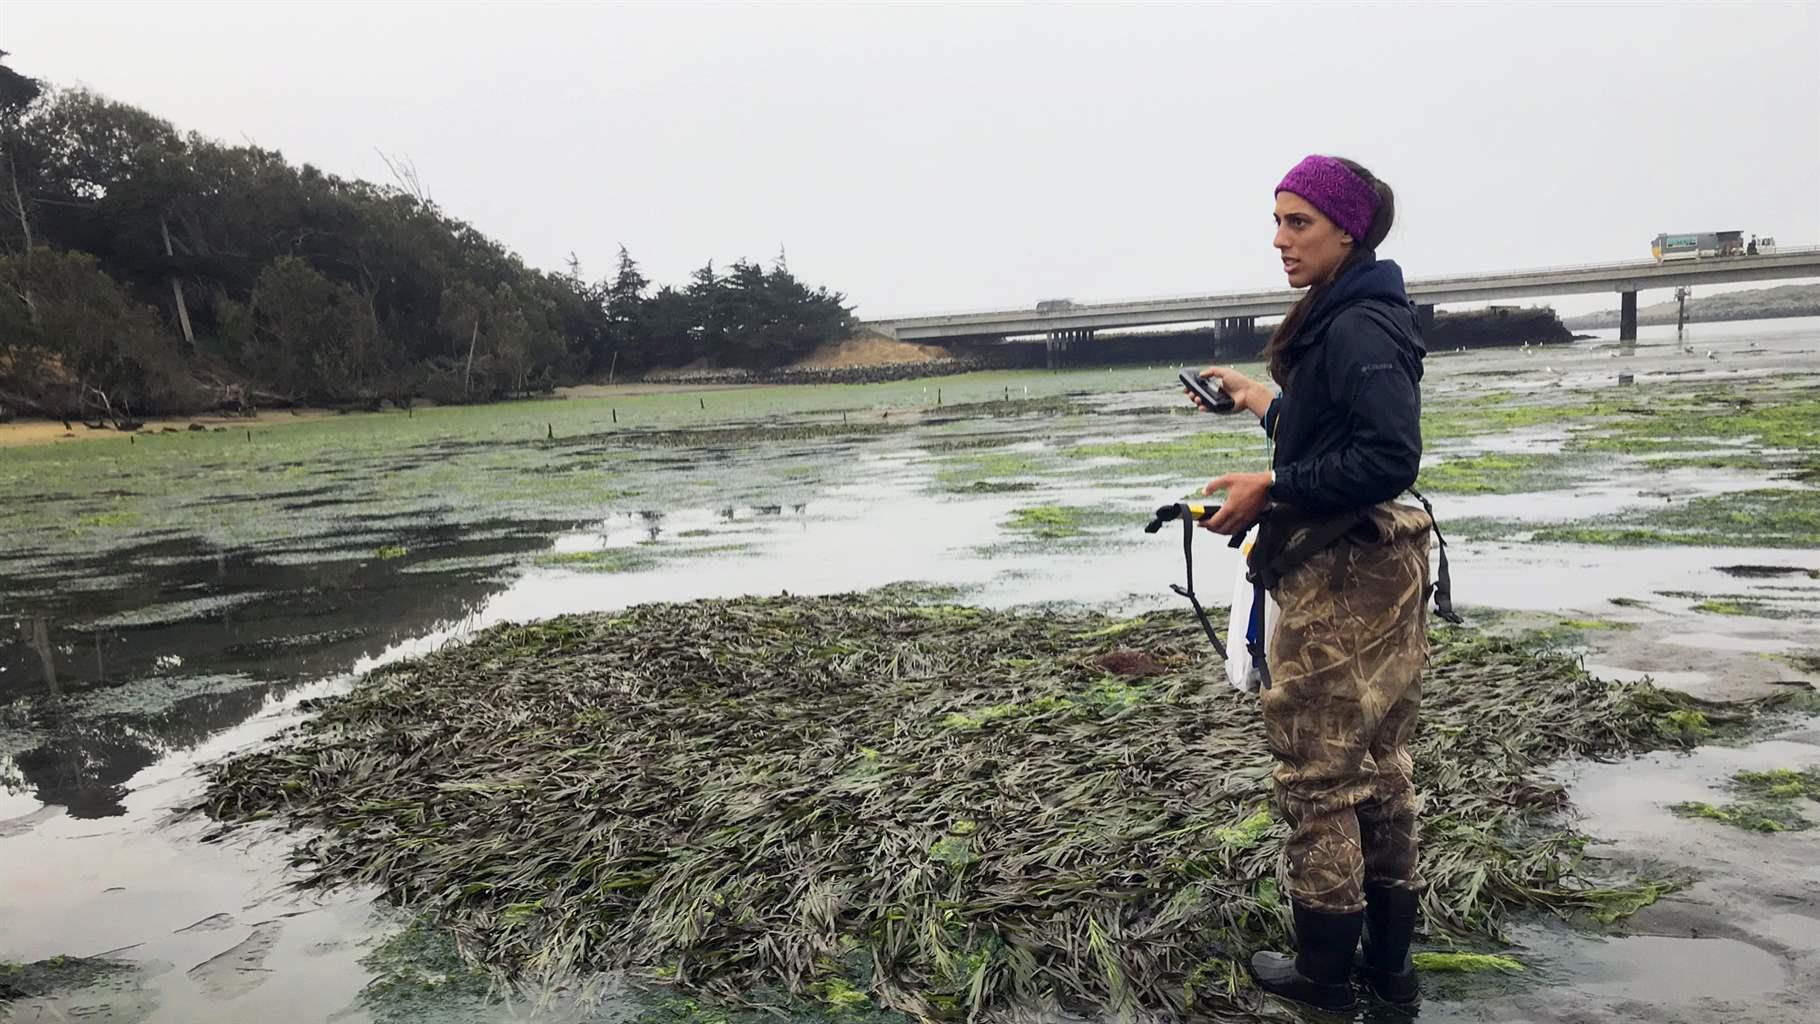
(1240, 671)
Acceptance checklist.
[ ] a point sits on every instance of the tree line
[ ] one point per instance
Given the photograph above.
(146, 270)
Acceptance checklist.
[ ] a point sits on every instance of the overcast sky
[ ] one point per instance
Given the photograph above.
(923, 158)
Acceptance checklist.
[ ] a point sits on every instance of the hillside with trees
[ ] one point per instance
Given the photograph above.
(146, 270)
(1753, 304)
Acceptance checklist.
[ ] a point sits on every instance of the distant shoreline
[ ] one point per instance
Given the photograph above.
(24, 432)
(1778, 303)
(1597, 321)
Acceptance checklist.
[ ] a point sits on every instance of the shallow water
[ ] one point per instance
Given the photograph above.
(186, 623)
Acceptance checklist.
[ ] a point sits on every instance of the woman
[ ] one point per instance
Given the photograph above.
(1349, 570)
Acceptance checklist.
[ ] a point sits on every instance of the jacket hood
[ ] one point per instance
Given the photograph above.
(1371, 279)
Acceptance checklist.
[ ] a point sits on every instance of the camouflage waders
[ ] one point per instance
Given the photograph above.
(1346, 664)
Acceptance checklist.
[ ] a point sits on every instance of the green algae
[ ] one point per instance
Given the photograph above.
(605, 560)
(1779, 783)
(1247, 833)
(1585, 625)
(418, 974)
(1457, 420)
(963, 473)
(1769, 518)
(1062, 522)
(1769, 420)
(1466, 963)
(1688, 725)
(1502, 473)
(1207, 453)
(1768, 801)
(1747, 815)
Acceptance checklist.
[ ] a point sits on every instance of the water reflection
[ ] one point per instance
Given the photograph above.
(198, 639)
(236, 626)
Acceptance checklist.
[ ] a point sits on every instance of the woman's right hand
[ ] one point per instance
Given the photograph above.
(1246, 393)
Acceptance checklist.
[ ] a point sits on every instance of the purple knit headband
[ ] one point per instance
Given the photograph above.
(1332, 188)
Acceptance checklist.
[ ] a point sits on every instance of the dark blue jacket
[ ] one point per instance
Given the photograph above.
(1348, 425)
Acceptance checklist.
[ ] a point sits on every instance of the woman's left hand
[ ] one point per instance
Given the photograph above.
(1246, 496)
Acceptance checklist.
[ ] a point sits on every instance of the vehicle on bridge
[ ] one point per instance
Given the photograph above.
(1667, 248)
(1054, 305)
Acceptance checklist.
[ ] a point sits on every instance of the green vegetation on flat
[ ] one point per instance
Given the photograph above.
(940, 809)
(1768, 801)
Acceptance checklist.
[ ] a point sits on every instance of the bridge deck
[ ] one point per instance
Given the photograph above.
(1626, 276)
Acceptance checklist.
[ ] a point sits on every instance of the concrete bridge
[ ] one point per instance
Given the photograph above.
(1239, 311)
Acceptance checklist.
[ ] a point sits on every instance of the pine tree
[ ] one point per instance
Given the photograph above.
(628, 343)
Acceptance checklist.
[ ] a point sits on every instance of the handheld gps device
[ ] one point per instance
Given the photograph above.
(1207, 391)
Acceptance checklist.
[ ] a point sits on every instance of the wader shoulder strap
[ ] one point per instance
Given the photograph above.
(1257, 643)
(1443, 585)
(1188, 515)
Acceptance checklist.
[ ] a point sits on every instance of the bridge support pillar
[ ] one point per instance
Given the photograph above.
(1235, 337)
(1426, 315)
(1057, 344)
(1627, 316)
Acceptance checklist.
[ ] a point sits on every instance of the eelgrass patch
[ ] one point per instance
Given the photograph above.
(1203, 453)
(962, 473)
(947, 810)
(635, 557)
(1766, 518)
(1455, 420)
(1503, 473)
(1805, 659)
(1769, 801)
(1062, 522)
(55, 974)
(994, 487)
(1749, 815)
(1779, 783)
(631, 558)
(1678, 418)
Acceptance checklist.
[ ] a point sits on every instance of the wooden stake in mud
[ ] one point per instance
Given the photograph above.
(616, 415)
(704, 404)
(41, 642)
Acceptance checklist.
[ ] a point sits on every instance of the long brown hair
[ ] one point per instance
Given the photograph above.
(1276, 350)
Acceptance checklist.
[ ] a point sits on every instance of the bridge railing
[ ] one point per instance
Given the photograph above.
(1226, 298)
(1613, 265)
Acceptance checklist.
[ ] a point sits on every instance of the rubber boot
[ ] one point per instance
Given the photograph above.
(1390, 923)
(1320, 972)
